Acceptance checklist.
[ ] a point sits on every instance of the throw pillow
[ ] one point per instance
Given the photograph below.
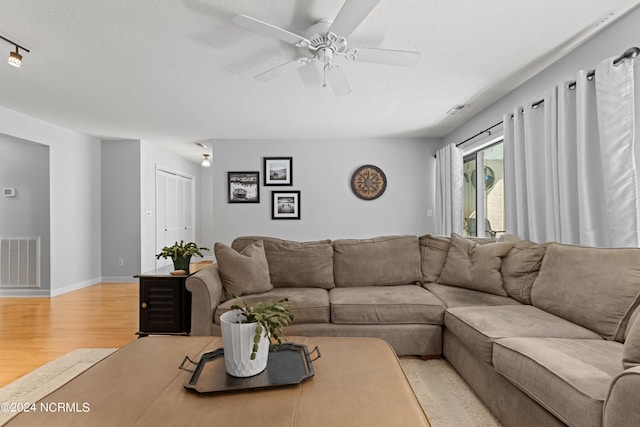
(631, 349)
(520, 267)
(474, 266)
(244, 272)
(433, 251)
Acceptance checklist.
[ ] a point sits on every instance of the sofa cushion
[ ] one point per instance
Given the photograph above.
(631, 350)
(295, 264)
(244, 272)
(593, 287)
(474, 266)
(453, 296)
(479, 327)
(388, 260)
(385, 304)
(308, 305)
(520, 268)
(569, 377)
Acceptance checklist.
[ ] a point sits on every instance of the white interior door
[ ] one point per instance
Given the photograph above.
(175, 209)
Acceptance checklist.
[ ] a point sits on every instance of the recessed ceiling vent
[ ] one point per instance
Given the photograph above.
(456, 109)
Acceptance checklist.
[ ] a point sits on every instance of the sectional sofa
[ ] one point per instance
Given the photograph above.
(546, 334)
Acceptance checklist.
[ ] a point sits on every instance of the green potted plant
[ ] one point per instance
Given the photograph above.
(181, 254)
(246, 333)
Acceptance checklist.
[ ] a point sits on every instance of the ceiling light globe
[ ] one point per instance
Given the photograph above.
(15, 59)
(206, 162)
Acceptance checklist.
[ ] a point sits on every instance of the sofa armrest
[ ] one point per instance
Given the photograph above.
(206, 293)
(621, 406)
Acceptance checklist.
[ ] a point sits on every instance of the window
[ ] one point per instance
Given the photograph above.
(483, 193)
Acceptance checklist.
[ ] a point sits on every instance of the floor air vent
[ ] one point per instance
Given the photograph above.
(19, 262)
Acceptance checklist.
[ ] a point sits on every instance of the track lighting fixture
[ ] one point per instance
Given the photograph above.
(15, 58)
(206, 162)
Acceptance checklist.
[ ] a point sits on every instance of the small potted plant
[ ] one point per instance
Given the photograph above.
(246, 333)
(181, 254)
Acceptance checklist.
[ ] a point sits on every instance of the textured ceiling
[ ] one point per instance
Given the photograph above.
(174, 72)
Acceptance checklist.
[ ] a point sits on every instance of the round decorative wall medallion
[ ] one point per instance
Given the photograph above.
(368, 182)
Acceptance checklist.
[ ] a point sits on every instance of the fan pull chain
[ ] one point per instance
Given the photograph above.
(324, 72)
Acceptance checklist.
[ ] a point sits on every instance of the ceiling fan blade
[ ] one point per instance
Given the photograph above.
(282, 69)
(338, 80)
(351, 15)
(403, 58)
(266, 29)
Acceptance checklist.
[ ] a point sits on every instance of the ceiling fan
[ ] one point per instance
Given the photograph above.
(324, 41)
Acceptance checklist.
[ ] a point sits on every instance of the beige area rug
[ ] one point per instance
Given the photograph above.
(446, 399)
(49, 377)
(443, 394)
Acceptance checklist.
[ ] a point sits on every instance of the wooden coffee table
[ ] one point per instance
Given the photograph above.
(357, 382)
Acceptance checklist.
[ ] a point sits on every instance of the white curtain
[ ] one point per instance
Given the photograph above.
(449, 190)
(570, 161)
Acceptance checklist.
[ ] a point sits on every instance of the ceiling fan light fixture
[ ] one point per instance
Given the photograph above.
(326, 40)
(15, 59)
(206, 163)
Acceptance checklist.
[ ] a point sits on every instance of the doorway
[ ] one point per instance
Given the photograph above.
(175, 207)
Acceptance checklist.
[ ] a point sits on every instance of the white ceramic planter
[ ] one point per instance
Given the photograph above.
(238, 343)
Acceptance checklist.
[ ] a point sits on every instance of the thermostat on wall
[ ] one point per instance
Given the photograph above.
(9, 192)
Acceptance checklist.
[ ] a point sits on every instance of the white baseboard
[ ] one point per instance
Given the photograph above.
(119, 279)
(39, 293)
(74, 286)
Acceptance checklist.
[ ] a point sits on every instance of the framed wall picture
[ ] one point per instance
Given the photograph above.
(243, 187)
(285, 205)
(278, 171)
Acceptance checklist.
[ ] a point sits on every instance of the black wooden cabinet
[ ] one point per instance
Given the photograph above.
(165, 303)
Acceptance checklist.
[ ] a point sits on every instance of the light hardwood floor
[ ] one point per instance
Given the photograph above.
(34, 331)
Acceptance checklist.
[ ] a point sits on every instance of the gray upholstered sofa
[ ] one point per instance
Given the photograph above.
(367, 288)
(546, 334)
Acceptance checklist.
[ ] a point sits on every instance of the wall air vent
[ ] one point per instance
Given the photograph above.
(19, 262)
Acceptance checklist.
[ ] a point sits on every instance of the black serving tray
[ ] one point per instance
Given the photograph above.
(288, 364)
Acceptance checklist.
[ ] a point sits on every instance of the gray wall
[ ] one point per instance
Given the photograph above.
(25, 166)
(74, 172)
(611, 42)
(129, 192)
(120, 192)
(321, 171)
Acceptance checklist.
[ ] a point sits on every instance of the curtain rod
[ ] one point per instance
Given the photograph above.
(630, 53)
(479, 133)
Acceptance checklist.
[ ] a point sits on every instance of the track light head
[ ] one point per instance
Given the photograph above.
(15, 58)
